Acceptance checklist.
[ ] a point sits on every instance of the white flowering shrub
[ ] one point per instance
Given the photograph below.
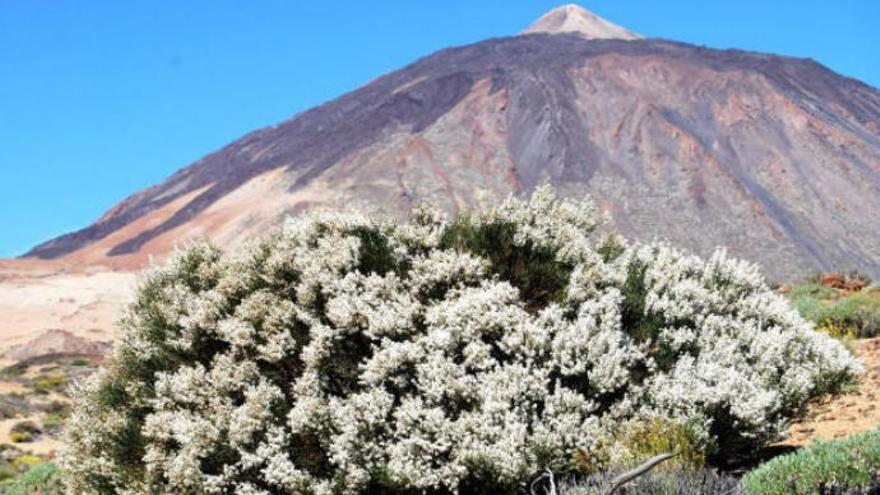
(346, 355)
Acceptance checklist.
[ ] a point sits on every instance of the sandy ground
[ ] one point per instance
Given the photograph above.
(43, 446)
(37, 298)
(840, 416)
(13, 388)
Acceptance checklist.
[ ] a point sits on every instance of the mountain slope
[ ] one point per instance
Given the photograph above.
(776, 158)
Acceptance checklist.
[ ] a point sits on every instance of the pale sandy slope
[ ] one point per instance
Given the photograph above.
(37, 298)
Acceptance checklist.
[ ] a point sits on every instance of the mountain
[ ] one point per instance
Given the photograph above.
(580, 21)
(776, 158)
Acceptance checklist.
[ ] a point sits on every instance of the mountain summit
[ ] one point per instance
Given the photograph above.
(776, 158)
(573, 18)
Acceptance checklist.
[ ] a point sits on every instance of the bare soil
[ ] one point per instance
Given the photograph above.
(845, 414)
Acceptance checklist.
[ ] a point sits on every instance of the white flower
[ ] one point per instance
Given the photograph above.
(344, 351)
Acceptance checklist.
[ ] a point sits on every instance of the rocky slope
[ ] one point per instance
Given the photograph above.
(776, 158)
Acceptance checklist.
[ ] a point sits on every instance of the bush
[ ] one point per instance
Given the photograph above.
(850, 465)
(13, 405)
(42, 479)
(24, 431)
(44, 384)
(26, 461)
(349, 355)
(853, 315)
(859, 311)
(631, 442)
(7, 471)
(679, 481)
(80, 362)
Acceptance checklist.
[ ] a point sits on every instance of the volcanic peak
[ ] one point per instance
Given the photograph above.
(573, 18)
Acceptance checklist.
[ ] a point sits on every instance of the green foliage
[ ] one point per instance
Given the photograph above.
(658, 435)
(641, 324)
(19, 437)
(80, 361)
(535, 271)
(812, 290)
(44, 384)
(852, 463)
(54, 419)
(296, 367)
(635, 441)
(24, 431)
(853, 315)
(26, 461)
(41, 479)
(611, 247)
(7, 471)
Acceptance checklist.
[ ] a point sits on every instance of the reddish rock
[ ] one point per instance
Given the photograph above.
(832, 281)
(855, 284)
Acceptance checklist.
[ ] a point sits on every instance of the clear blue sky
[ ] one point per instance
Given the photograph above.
(99, 99)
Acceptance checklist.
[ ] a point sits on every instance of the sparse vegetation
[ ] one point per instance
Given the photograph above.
(25, 474)
(846, 308)
(13, 405)
(47, 383)
(40, 479)
(39, 413)
(25, 431)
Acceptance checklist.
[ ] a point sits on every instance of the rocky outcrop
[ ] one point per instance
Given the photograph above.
(55, 342)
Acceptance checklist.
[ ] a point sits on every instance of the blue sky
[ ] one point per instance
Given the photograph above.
(99, 99)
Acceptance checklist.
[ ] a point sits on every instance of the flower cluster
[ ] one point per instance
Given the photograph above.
(344, 354)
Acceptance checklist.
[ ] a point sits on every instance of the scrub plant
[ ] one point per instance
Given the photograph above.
(345, 354)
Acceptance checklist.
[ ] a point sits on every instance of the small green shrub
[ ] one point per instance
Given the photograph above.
(53, 419)
(856, 314)
(634, 441)
(80, 361)
(860, 311)
(19, 437)
(24, 431)
(44, 384)
(42, 479)
(12, 405)
(852, 464)
(53, 422)
(659, 435)
(7, 471)
(26, 461)
(16, 369)
(56, 407)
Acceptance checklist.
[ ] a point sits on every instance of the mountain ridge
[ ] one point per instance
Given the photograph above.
(546, 133)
